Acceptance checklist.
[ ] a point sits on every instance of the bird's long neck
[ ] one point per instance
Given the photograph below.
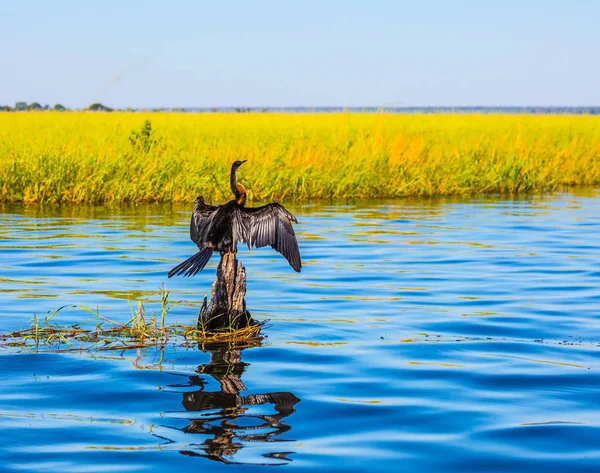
(239, 191)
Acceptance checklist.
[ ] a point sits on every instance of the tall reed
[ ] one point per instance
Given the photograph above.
(89, 158)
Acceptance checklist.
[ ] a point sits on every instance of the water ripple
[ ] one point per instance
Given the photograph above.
(451, 335)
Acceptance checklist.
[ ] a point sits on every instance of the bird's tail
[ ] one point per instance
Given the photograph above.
(193, 265)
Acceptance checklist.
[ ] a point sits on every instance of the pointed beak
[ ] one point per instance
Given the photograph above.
(242, 162)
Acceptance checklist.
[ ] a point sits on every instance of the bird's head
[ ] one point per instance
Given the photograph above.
(237, 164)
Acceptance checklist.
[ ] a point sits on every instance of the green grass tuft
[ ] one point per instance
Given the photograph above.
(100, 333)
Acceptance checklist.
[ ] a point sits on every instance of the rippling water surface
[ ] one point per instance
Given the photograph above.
(421, 336)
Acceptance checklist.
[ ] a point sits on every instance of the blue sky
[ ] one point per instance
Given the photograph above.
(303, 53)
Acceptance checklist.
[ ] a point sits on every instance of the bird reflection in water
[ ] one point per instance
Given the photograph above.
(228, 420)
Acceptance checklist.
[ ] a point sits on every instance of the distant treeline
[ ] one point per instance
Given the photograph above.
(37, 107)
(449, 110)
(33, 106)
(98, 107)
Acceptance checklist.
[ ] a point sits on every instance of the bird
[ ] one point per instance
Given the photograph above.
(219, 228)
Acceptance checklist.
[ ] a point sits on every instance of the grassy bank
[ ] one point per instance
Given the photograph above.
(94, 157)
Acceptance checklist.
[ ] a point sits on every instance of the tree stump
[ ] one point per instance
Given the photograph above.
(227, 308)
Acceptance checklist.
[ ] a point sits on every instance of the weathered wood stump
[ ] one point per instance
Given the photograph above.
(227, 308)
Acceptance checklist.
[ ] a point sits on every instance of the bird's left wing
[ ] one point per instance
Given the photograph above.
(271, 225)
(202, 217)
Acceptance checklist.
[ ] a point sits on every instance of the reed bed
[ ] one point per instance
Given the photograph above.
(91, 158)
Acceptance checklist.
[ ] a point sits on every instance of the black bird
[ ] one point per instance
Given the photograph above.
(221, 228)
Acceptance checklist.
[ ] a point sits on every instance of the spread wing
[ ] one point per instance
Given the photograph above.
(202, 218)
(271, 225)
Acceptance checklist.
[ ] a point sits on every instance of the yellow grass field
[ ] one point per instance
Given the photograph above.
(88, 158)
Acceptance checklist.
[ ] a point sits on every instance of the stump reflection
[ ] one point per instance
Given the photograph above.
(229, 420)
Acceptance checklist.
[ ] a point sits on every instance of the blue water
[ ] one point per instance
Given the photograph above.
(444, 335)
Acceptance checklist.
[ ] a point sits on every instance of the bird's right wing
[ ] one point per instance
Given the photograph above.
(271, 225)
(202, 218)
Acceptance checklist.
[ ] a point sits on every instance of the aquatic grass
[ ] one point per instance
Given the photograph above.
(91, 158)
(100, 333)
